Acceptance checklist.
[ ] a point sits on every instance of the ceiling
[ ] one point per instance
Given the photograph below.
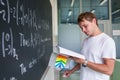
(69, 10)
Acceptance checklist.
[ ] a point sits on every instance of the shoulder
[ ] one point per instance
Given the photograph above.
(107, 38)
(107, 41)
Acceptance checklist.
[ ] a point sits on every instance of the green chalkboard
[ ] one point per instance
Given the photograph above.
(25, 38)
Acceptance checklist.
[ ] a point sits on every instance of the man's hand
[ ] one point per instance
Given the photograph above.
(67, 73)
(78, 60)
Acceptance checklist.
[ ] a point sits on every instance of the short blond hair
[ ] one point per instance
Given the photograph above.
(87, 16)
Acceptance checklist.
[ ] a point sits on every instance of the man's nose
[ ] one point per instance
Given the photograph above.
(83, 29)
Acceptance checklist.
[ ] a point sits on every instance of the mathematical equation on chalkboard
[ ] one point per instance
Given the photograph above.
(18, 13)
(32, 41)
(25, 18)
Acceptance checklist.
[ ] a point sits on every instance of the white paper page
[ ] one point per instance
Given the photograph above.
(70, 53)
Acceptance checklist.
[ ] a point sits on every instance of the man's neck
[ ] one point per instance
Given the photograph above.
(97, 32)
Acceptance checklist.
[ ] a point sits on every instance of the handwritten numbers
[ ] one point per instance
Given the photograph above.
(5, 13)
(7, 44)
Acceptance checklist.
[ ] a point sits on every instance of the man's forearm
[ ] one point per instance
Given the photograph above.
(106, 68)
(77, 67)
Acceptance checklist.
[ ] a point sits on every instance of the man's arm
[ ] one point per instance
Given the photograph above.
(77, 67)
(107, 67)
(67, 73)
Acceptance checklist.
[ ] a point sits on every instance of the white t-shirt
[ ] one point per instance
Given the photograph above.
(94, 49)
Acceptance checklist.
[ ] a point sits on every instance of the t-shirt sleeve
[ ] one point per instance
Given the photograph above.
(109, 49)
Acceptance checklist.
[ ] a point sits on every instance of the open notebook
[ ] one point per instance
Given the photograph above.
(67, 52)
(62, 58)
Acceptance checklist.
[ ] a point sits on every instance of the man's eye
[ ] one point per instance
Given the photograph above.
(85, 26)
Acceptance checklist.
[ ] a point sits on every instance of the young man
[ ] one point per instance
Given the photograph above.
(98, 48)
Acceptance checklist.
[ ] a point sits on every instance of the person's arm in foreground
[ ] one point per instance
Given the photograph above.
(107, 67)
(67, 73)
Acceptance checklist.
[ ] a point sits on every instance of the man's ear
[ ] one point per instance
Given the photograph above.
(94, 20)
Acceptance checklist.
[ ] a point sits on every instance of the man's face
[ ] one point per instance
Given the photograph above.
(87, 27)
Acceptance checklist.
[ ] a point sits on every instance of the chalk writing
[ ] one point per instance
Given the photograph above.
(4, 12)
(28, 18)
(25, 38)
(34, 40)
(23, 68)
(32, 63)
(11, 78)
(7, 38)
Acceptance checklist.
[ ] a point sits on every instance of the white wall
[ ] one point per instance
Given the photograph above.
(116, 38)
(51, 73)
(69, 37)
